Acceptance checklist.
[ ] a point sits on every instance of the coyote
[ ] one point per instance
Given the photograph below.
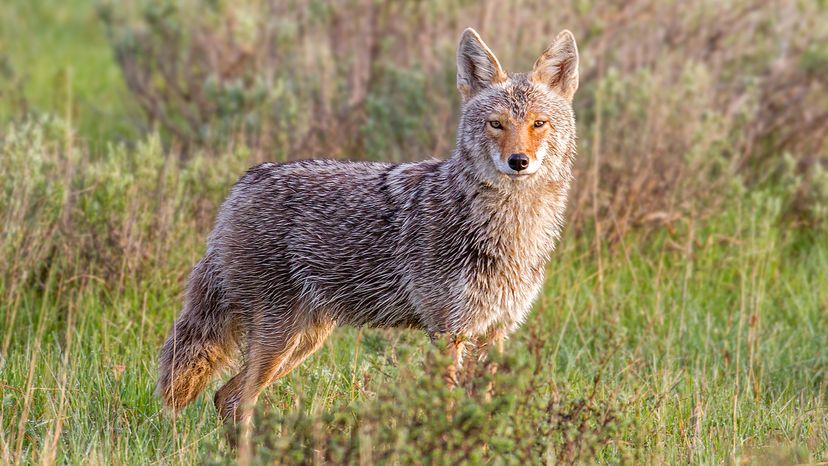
(454, 247)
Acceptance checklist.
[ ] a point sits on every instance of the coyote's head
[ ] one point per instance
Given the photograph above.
(517, 126)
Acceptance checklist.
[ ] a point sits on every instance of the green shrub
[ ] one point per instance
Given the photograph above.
(518, 416)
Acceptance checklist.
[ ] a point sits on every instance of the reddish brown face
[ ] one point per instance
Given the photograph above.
(521, 143)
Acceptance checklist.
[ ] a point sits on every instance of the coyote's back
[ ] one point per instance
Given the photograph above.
(327, 237)
(454, 247)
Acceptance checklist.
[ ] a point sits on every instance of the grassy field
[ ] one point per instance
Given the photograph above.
(697, 339)
(710, 339)
(55, 59)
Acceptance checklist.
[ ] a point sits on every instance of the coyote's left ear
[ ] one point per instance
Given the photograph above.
(558, 66)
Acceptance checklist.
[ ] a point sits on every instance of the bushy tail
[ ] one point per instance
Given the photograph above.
(200, 343)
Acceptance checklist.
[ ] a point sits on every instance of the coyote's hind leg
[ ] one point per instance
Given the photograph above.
(266, 363)
(266, 355)
(313, 337)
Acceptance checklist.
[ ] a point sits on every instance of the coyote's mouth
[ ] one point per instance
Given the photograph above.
(519, 175)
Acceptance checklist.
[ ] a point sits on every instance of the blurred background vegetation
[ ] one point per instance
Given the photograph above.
(696, 243)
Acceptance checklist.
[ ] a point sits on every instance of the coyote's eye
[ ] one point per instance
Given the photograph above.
(539, 123)
(495, 124)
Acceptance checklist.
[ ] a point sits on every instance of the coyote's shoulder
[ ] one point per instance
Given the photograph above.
(455, 246)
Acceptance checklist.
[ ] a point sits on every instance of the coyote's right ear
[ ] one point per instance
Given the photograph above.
(477, 67)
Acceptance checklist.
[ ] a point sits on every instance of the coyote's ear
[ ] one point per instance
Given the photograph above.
(477, 67)
(558, 66)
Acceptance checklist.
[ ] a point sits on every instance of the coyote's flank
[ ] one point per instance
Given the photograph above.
(456, 247)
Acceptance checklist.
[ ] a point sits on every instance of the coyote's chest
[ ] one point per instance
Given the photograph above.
(508, 271)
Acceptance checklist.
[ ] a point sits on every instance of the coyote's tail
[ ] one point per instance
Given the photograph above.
(200, 342)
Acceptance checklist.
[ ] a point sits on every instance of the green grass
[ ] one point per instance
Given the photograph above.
(58, 58)
(709, 338)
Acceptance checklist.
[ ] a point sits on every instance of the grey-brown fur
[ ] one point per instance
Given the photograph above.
(453, 247)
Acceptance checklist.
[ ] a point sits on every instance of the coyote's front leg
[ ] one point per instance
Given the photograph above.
(456, 349)
(496, 339)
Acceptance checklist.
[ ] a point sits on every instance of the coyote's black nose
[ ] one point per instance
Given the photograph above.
(518, 162)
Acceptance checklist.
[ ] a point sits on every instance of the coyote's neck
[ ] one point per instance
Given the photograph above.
(526, 212)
